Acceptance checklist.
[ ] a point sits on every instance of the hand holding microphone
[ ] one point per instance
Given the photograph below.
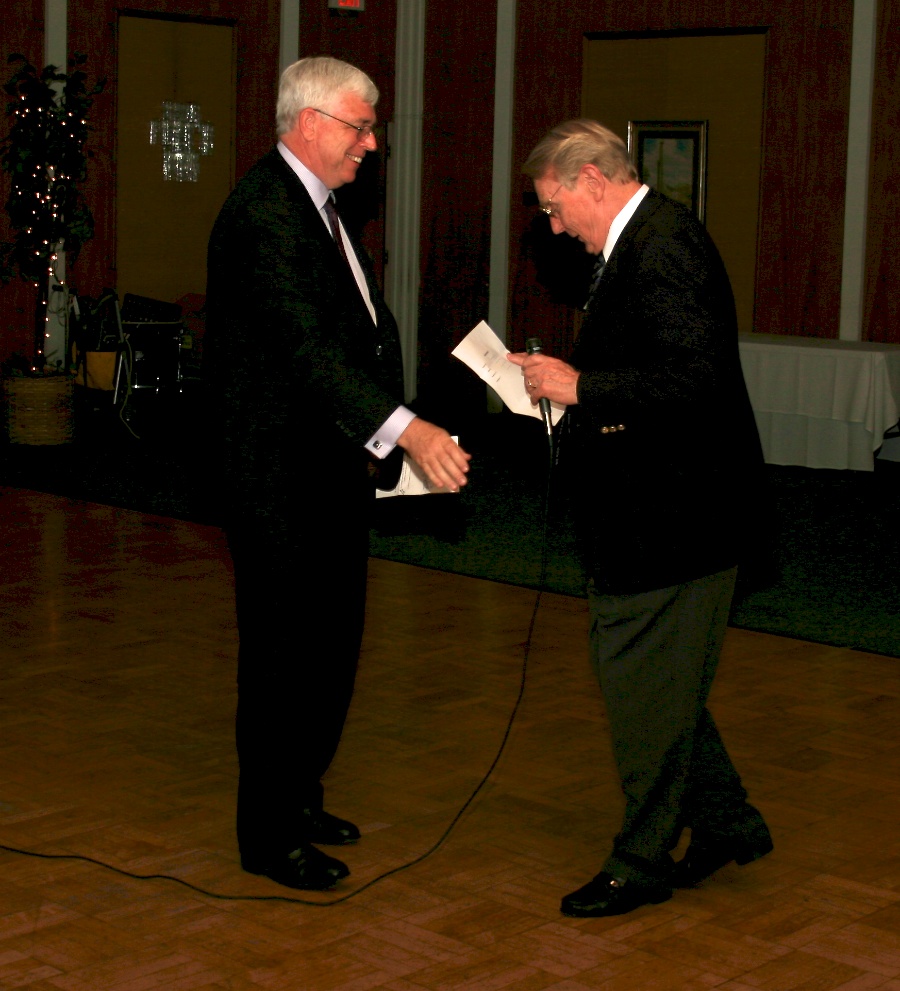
(546, 378)
(533, 346)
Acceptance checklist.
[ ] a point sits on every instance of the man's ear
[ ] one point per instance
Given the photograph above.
(307, 120)
(593, 178)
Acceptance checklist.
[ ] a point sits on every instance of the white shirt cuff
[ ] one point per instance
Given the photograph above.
(384, 440)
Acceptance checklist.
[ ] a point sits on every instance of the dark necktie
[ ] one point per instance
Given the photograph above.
(599, 265)
(335, 225)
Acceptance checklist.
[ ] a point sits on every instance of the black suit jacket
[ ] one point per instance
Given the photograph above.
(663, 444)
(301, 376)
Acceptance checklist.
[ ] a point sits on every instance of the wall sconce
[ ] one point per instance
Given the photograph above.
(184, 137)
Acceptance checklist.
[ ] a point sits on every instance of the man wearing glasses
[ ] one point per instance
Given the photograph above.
(304, 360)
(663, 454)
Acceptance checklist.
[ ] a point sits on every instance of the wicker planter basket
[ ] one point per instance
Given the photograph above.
(39, 410)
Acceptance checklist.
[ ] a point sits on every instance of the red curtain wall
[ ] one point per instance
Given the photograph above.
(881, 314)
(803, 172)
(805, 128)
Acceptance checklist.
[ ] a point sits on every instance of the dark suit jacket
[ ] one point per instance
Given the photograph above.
(301, 377)
(668, 498)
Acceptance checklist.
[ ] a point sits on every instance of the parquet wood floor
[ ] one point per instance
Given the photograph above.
(116, 704)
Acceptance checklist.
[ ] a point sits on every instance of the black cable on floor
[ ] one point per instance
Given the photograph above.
(394, 870)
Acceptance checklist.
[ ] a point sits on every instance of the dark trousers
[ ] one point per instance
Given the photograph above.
(655, 654)
(300, 591)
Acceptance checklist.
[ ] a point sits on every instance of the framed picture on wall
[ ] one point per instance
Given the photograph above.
(670, 156)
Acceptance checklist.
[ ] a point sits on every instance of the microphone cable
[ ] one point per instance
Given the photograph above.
(340, 899)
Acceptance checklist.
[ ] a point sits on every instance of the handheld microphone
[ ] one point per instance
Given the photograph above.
(533, 346)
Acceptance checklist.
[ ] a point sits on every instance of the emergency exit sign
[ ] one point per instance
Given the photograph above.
(347, 4)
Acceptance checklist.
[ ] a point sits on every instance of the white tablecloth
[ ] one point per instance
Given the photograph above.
(821, 403)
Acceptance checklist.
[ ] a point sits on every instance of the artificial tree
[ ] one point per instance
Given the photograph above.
(44, 155)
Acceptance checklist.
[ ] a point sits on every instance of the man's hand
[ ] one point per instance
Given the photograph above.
(547, 378)
(434, 450)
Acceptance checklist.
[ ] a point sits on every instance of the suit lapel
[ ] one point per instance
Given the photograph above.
(607, 284)
(641, 215)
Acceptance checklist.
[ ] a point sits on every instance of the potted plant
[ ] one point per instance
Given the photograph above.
(44, 156)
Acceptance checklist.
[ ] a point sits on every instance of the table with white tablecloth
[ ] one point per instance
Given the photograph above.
(822, 403)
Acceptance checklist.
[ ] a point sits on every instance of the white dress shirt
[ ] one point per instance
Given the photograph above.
(384, 440)
(621, 219)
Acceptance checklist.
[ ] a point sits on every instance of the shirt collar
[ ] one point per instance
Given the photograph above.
(317, 189)
(621, 219)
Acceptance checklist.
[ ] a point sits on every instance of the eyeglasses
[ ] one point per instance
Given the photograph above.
(548, 207)
(363, 132)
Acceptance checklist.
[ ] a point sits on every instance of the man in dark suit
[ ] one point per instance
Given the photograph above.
(305, 365)
(662, 454)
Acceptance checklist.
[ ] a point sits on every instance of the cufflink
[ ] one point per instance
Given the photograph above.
(376, 444)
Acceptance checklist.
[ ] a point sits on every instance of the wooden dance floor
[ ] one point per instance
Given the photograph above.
(117, 697)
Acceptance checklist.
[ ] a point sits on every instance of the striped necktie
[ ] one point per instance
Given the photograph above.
(356, 273)
(335, 225)
(599, 266)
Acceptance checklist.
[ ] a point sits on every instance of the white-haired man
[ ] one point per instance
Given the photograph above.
(305, 364)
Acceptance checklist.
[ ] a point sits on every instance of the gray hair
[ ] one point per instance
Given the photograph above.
(318, 82)
(564, 149)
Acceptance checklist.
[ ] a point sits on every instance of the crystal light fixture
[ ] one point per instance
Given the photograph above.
(184, 137)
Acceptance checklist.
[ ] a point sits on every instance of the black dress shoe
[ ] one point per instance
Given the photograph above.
(306, 868)
(608, 895)
(319, 826)
(707, 853)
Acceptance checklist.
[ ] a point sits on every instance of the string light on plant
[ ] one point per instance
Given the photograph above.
(44, 156)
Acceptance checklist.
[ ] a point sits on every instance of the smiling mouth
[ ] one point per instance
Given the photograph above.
(355, 158)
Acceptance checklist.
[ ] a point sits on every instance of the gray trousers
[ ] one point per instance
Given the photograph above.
(655, 654)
